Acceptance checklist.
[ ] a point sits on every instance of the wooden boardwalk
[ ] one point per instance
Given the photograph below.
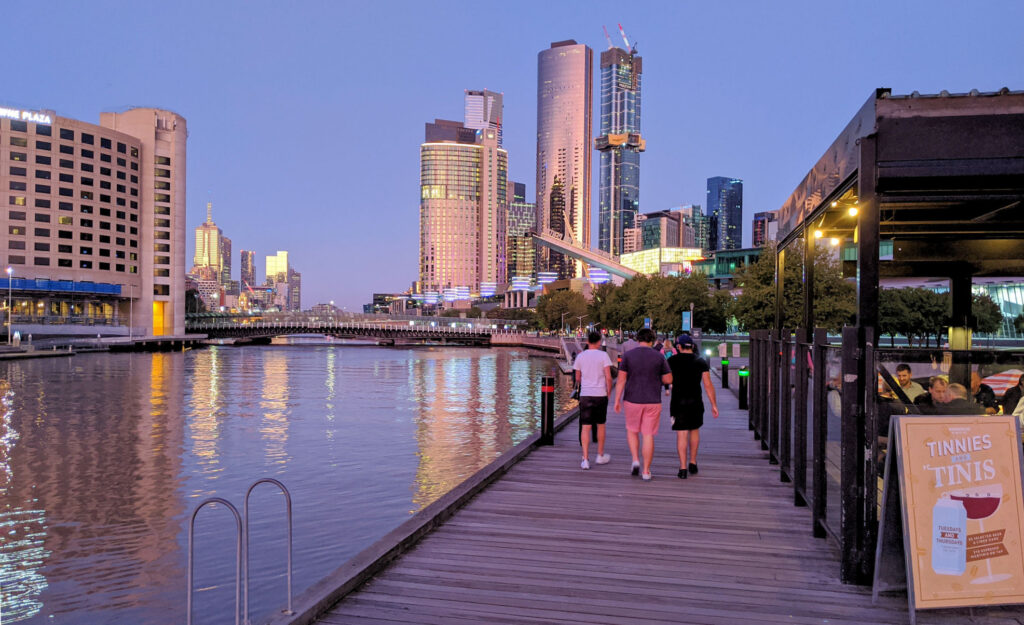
(550, 543)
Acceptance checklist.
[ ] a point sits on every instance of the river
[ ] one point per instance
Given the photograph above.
(103, 458)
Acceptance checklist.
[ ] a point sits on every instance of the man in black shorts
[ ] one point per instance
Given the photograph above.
(594, 377)
(689, 371)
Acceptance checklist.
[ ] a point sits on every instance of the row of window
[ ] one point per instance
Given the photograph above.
(85, 209)
(44, 218)
(44, 261)
(41, 246)
(46, 146)
(67, 234)
(69, 135)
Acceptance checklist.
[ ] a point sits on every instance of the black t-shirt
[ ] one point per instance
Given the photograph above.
(687, 377)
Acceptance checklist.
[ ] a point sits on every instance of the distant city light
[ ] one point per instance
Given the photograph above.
(488, 289)
(520, 283)
(546, 277)
(598, 275)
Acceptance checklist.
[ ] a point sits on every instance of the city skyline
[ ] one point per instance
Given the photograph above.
(764, 114)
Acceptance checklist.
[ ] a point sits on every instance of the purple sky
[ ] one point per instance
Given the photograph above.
(305, 118)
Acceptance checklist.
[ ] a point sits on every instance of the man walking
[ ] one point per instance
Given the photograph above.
(594, 377)
(641, 374)
(689, 371)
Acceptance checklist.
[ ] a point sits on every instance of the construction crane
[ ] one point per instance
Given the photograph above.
(608, 37)
(623, 33)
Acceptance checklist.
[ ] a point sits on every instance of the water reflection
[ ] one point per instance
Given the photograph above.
(104, 456)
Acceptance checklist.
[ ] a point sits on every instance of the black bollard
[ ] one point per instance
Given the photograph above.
(725, 373)
(744, 375)
(547, 410)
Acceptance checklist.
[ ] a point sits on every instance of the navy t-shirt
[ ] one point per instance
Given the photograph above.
(644, 367)
(687, 379)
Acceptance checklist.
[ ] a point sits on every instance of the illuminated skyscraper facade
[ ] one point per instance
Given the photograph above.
(764, 228)
(484, 109)
(725, 205)
(564, 103)
(620, 145)
(212, 259)
(522, 219)
(463, 205)
(247, 268)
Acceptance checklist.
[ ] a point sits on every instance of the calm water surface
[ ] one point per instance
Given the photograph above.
(103, 457)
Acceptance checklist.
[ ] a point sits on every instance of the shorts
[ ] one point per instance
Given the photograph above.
(643, 418)
(593, 410)
(689, 419)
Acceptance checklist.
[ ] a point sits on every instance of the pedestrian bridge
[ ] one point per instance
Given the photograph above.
(383, 328)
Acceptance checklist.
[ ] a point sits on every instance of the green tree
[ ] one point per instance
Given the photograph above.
(515, 314)
(987, 315)
(551, 307)
(1018, 323)
(194, 303)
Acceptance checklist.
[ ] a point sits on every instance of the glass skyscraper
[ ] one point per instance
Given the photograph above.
(620, 145)
(484, 109)
(725, 206)
(564, 103)
(521, 220)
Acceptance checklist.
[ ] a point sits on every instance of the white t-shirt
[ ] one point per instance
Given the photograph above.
(591, 364)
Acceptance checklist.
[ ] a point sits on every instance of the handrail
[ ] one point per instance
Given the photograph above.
(245, 533)
(238, 553)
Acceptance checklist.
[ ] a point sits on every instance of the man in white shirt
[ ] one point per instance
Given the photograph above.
(594, 376)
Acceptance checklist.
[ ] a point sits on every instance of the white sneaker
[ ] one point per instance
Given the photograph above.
(603, 458)
(646, 477)
(585, 464)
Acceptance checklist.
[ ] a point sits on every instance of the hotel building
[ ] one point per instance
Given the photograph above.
(564, 131)
(95, 220)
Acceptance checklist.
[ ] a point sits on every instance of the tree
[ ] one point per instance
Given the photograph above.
(987, 314)
(194, 303)
(1018, 323)
(515, 314)
(551, 307)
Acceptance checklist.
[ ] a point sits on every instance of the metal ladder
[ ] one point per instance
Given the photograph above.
(241, 556)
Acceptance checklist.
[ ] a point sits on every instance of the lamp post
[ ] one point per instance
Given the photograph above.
(580, 323)
(561, 325)
(10, 318)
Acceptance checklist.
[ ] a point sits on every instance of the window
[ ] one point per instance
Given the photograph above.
(135, 167)
(105, 157)
(162, 223)
(105, 198)
(134, 152)
(64, 234)
(162, 247)
(85, 208)
(65, 206)
(133, 243)
(162, 260)
(85, 264)
(134, 178)
(162, 173)
(66, 164)
(104, 184)
(64, 249)
(119, 267)
(120, 201)
(19, 171)
(14, 244)
(45, 131)
(162, 160)
(86, 195)
(119, 253)
(42, 160)
(19, 126)
(85, 251)
(67, 134)
(162, 184)
(63, 262)
(104, 212)
(67, 149)
(41, 246)
(162, 210)
(15, 229)
(105, 238)
(43, 145)
(41, 203)
(104, 225)
(135, 192)
(41, 260)
(120, 188)
(19, 156)
(87, 167)
(121, 175)
(20, 142)
(87, 153)
(19, 186)
(119, 240)
(122, 148)
(104, 143)
(42, 174)
(105, 171)
(134, 217)
(161, 289)
(87, 138)
(85, 236)
(104, 266)
(133, 230)
(42, 218)
(85, 223)
(15, 260)
(66, 192)
(162, 235)
(133, 204)
(66, 177)
(42, 232)
(16, 200)
(119, 227)
(120, 214)
(16, 215)
(86, 181)
(66, 220)
(105, 252)
(121, 162)
(43, 188)
(162, 273)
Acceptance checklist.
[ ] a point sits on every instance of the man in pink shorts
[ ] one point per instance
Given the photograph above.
(642, 373)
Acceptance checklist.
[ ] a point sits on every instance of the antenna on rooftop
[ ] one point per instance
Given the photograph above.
(608, 37)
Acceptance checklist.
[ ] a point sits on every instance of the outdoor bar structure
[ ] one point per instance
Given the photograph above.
(915, 187)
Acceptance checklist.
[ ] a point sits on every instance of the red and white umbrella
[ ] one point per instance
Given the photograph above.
(1001, 382)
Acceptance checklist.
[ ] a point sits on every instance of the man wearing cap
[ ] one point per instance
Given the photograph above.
(686, 407)
(641, 374)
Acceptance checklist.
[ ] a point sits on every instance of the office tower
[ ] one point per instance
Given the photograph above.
(114, 227)
(212, 259)
(764, 228)
(522, 219)
(701, 225)
(564, 103)
(484, 110)
(248, 270)
(463, 204)
(277, 267)
(294, 290)
(225, 259)
(660, 229)
(620, 145)
(725, 204)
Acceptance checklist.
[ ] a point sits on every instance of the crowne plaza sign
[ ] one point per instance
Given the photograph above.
(27, 116)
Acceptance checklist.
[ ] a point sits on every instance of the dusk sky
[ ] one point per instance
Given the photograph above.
(305, 118)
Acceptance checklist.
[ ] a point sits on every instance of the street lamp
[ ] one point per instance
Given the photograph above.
(580, 325)
(10, 270)
(562, 323)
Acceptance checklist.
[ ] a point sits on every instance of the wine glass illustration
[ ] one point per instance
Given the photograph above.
(980, 504)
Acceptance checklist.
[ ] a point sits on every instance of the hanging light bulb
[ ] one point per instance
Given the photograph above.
(834, 241)
(818, 234)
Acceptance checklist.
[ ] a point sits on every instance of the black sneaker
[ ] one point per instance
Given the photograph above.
(693, 468)
(682, 474)
(635, 470)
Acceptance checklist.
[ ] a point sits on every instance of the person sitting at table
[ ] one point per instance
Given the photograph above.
(904, 378)
(1012, 396)
(936, 395)
(959, 402)
(983, 394)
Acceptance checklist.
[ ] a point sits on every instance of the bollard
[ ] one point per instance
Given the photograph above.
(743, 375)
(547, 410)
(725, 373)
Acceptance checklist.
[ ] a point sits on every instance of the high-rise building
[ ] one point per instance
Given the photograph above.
(620, 145)
(248, 269)
(564, 103)
(521, 220)
(225, 257)
(725, 204)
(101, 207)
(294, 290)
(277, 267)
(212, 259)
(484, 110)
(463, 205)
(764, 228)
(701, 226)
(661, 229)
